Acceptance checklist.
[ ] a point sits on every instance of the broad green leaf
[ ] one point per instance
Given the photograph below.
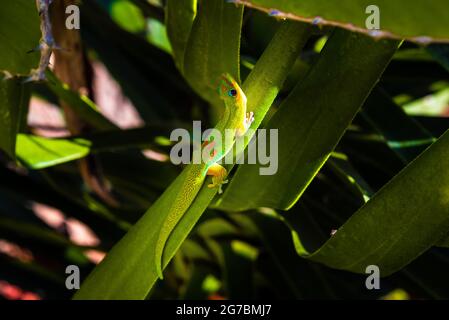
(14, 98)
(19, 22)
(39, 152)
(112, 279)
(311, 121)
(404, 219)
(421, 21)
(213, 49)
(180, 15)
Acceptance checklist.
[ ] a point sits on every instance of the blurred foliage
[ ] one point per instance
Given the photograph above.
(362, 149)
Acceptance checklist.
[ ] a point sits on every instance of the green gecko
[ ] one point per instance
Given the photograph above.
(236, 119)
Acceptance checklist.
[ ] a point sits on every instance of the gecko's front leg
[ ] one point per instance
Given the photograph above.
(249, 119)
(219, 174)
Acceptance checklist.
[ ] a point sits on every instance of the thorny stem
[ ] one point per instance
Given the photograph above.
(47, 43)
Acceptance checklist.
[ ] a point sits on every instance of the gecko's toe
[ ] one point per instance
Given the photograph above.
(6, 75)
(249, 118)
(31, 78)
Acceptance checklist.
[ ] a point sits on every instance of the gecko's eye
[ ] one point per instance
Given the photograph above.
(232, 93)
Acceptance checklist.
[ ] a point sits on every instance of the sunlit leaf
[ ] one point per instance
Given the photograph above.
(38, 152)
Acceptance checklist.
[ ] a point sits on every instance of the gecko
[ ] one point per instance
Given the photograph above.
(235, 118)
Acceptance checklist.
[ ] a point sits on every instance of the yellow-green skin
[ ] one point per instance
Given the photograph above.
(234, 118)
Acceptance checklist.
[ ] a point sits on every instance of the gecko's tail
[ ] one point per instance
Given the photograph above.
(187, 192)
(159, 270)
(158, 260)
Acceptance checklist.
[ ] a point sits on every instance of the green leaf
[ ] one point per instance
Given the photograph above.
(128, 16)
(14, 97)
(402, 133)
(180, 15)
(157, 35)
(82, 105)
(217, 227)
(112, 279)
(150, 137)
(350, 177)
(213, 49)
(19, 22)
(311, 121)
(404, 219)
(39, 152)
(434, 104)
(419, 20)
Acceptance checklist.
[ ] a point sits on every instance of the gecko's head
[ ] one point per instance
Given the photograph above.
(229, 90)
